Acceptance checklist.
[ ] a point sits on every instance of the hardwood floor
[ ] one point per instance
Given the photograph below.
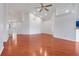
(39, 45)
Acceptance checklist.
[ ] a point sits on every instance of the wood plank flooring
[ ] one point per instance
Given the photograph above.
(39, 45)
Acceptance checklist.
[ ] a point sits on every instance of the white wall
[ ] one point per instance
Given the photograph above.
(77, 19)
(35, 24)
(48, 25)
(23, 27)
(1, 27)
(29, 24)
(3, 32)
(64, 26)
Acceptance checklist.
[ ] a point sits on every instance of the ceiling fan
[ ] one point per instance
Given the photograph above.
(44, 7)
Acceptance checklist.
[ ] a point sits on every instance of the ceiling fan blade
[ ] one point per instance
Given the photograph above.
(41, 4)
(48, 5)
(40, 10)
(46, 9)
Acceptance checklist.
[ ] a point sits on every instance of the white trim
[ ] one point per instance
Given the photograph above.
(77, 35)
(77, 40)
(65, 38)
(35, 33)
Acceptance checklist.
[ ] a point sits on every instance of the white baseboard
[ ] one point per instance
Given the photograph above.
(64, 38)
(77, 35)
(77, 40)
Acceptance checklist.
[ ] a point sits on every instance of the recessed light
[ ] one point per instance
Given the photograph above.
(45, 14)
(67, 11)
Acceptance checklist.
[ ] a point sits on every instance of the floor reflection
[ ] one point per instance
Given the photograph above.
(41, 51)
(38, 45)
(45, 53)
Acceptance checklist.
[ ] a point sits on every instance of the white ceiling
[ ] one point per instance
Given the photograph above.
(64, 8)
(16, 9)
